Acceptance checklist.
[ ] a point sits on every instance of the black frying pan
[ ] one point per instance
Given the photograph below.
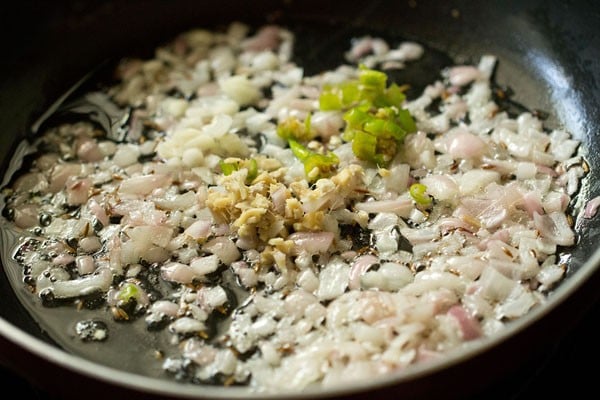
(549, 54)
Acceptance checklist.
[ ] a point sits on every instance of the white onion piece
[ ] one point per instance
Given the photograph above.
(550, 275)
(469, 326)
(494, 285)
(441, 187)
(26, 216)
(246, 243)
(525, 170)
(516, 304)
(390, 277)
(591, 207)
(88, 151)
(145, 184)
(359, 267)
(247, 276)
(200, 229)
(555, 202)
(333, 280)
(212, 297)
(186, 325)
(532, 203)
(422, 235)
(63, 259)
(265, 60)
(427, 281)
(126, 155)
(224, 248)
(176, 202)
(492, 216)
(406, 51)
(456, 110)
(383, 221)
(401, 206)
(225, 362)
(199, 352)
(311, 242)
(398, 178)
(177, 272)
(98, 211)
(308, 281)
(476, 180)
(240, 89)
(85, 265)
(221, 229)
(555, 227)
(78, 190)
(360, 48)
(267, 38)
(486, 65)
(205, 265)
(297, 302)
(145, 235)
(466, 266)
(164, 307)
(463, 144)
(452, 223)
(31, 182)
(463, 75)
(100, 281)
(278, 197)
(60, 173)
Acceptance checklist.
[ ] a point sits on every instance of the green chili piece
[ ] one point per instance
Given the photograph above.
(252, 167)
(128, 291)
(228, 168)
(316, 165)
(394, 95)
(373, 79)
(293, 128)
(417, 192)
(329, 101)
(356, 118)
(320, 165)
(299, 151)
(376, 123)
(364, 146)
(375, 126)
(350, 93)
(383, 128)
(406, 121)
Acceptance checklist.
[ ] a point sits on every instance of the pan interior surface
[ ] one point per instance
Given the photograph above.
(543, 67)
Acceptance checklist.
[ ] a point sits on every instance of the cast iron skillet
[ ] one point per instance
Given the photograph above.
(549, 54)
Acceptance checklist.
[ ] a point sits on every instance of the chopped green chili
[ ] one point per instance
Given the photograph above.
(127, 292)
(418, 193)
(316, 165)
(227, 168)
(293, 128)
(373, 113)
(252, 166)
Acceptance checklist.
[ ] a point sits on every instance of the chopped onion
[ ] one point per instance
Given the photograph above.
(591, 207)
(311, 242)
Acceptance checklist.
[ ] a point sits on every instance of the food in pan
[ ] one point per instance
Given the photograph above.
(287, 230)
